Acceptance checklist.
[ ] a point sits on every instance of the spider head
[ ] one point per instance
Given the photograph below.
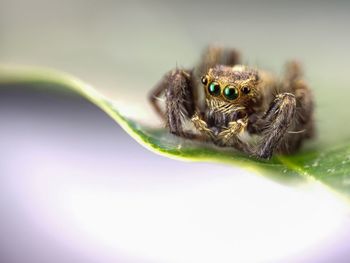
(229, 89)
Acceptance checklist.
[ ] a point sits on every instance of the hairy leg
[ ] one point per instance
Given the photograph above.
(201, 125)
(230, 136)
(303, 126)
(279, 117)
(177, 87)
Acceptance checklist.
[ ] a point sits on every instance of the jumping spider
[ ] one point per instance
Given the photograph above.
(239, 100)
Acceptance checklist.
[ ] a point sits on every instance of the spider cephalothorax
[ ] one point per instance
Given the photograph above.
(230, 89)
(238, 99)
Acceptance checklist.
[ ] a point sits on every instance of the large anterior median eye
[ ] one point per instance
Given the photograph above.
(231, 93)
(214, 89)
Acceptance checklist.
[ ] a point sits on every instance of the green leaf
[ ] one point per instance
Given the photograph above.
(322, 162)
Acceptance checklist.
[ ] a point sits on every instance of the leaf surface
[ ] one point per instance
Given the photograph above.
(321, 162)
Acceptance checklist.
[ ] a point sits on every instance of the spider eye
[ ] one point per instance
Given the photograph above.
(231, 93)
(204, 80)
(214, 89)
(245, 90)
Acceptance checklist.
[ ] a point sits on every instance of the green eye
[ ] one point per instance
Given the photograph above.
(231, 93)
(214, 89)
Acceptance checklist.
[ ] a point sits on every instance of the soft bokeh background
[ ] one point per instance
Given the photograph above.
(75, 188)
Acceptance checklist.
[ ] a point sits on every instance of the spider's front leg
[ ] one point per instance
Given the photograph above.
(177, 86)
(279, 118)
(230, 136)
(201, 125)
